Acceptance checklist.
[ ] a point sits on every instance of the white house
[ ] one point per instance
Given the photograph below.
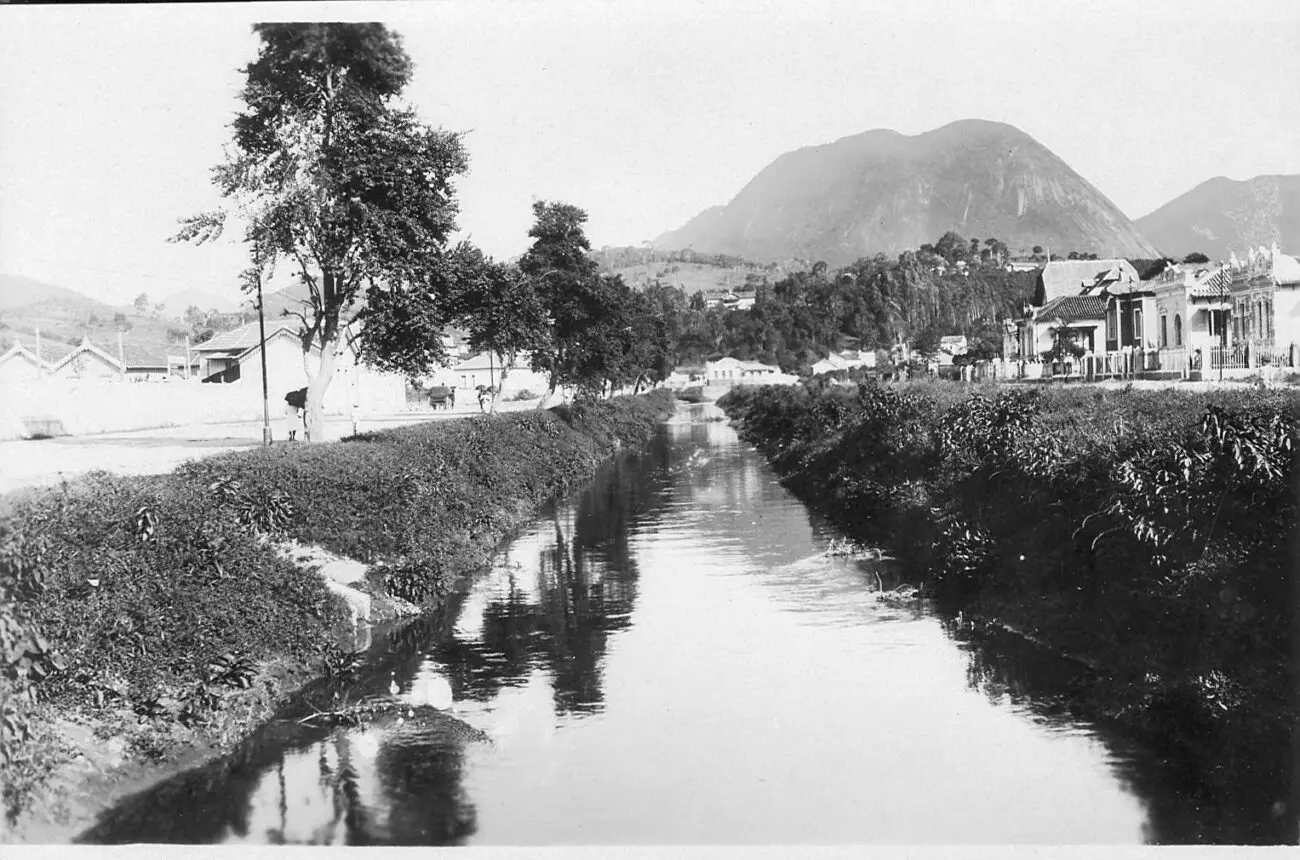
(1192, 311)
(87, 361)
(951, 346)
(484, 369)
(1265, 298)
(235, 358)
(733, 371)
(845, 360)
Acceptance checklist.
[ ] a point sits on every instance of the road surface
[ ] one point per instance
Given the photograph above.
(40, 462)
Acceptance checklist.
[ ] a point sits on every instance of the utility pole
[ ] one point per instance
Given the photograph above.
(261, 333)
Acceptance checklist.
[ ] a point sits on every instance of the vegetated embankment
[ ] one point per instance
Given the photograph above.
(149, 622)
(1146, 534)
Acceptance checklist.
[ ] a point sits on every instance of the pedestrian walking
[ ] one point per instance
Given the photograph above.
(295, 403)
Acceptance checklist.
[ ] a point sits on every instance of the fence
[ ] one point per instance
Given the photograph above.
(1265, 354)
(1228, 357)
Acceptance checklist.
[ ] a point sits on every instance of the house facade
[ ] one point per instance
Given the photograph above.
(485, 369)
(734, 371)
(1192, 313)
(1189, 321)
(235, 358)
(845, 360)
(87, 361)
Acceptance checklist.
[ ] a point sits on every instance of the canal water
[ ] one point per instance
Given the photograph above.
(673, 656)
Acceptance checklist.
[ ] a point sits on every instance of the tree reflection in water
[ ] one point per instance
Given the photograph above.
(583, 589)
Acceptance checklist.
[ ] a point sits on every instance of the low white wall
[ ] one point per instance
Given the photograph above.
(89, 406)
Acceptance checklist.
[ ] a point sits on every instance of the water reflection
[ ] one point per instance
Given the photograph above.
(1219, 796)
(671, 657)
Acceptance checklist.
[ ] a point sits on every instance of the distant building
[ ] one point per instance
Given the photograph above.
(952, 346)
(1072, 277)
(20, 363)
(485, 370)
(845, 360)
(684, 377)
(1076, 319)
(87, 361)
(734, 371)
(735, 300)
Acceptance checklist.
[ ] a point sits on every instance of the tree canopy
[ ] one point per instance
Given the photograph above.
(330, 174)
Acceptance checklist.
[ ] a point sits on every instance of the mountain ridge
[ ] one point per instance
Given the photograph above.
(883, 191)
(1221, 216)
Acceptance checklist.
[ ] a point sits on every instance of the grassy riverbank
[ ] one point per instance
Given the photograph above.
(150, 620)
(1145, 533)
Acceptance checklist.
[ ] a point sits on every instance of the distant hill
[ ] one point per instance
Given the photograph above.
(882, 191)
(178, 302)
(64, 316)
(18, 291)
(1223, 216)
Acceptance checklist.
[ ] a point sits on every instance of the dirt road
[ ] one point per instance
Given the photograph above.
(39, 462)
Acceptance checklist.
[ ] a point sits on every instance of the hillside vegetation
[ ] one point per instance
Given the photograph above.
(874, 303)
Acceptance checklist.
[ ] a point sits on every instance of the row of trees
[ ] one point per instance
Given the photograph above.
(874, 303)
(331, 174)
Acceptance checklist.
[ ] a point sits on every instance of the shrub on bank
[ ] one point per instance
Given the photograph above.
(153, 600)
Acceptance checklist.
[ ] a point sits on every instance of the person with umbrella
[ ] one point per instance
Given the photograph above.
(294, 404)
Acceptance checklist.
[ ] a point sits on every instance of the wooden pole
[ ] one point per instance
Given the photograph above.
(261, 331)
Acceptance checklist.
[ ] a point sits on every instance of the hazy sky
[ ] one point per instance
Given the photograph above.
(641, 113)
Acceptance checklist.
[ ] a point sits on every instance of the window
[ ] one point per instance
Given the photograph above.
(1164, 331)
(1178, 330)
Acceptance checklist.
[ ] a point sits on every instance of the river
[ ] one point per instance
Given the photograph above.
(672, 656)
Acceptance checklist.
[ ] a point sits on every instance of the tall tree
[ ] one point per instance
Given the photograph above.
(328, 172)
(501, 311)
(567, 281)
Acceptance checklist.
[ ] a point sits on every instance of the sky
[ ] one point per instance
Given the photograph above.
(641, 113)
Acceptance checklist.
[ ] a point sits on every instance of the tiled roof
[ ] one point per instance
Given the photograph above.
(1070, 309)
(51, 351)
(1067, 277)
(136, 356)
(245, 337)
